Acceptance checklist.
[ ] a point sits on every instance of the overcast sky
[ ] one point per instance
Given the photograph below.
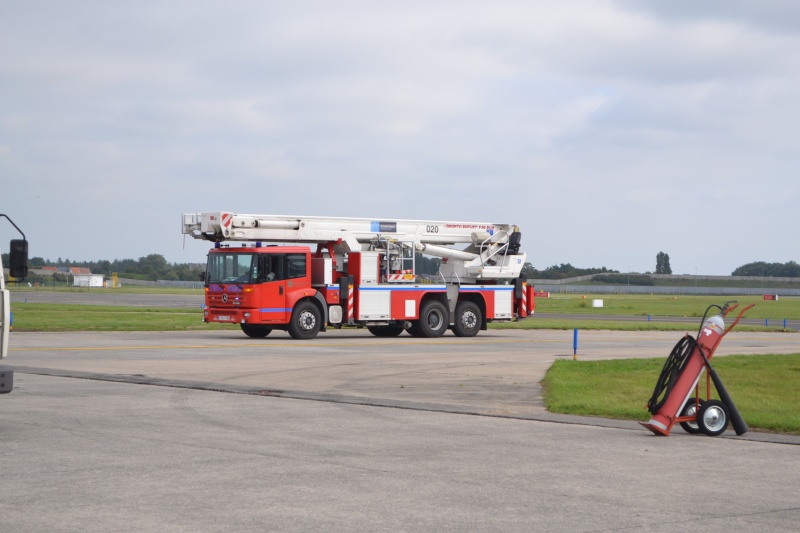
(607, 130)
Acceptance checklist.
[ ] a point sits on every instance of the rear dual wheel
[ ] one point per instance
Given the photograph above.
(434, 320)
(468, 319)
(414, 329)
(385, 331)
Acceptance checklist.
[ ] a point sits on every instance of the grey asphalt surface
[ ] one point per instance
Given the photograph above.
(213, 431)
(85, 455)
(498, 372)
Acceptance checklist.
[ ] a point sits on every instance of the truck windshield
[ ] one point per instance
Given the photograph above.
(243, 267)
(232, 268)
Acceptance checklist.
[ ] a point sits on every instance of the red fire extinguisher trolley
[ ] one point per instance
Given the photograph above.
(672, 401)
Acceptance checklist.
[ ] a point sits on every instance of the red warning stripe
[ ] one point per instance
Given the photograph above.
(350, 304)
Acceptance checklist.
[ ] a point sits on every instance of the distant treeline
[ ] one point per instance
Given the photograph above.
(769, 270)
(622, 279)
(613, 277)
(151, 267)
(562, 271)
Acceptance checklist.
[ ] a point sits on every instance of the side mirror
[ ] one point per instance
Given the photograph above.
(203, 277)
(18, 267)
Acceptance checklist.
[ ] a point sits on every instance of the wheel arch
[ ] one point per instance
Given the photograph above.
(438, 296)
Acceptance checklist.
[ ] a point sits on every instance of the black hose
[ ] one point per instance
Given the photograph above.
(671, 372)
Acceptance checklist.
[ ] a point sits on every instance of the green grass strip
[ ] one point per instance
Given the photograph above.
(617, 325)
(764, 388)
(77, 317)
(68, 317)
(665, 305)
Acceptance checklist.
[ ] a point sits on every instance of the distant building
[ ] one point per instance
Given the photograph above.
(83, 277)
(87, 280)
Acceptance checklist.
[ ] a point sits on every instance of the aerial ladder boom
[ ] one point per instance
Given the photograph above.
(491, 252)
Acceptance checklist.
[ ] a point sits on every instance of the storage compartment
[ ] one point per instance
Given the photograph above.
(374, 304)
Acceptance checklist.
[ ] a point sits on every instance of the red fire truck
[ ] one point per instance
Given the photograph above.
(362, 273)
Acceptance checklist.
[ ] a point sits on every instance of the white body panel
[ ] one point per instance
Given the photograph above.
(375, 304)
(503, 304)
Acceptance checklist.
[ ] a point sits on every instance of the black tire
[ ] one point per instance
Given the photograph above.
(713, 418)
(414, 329)
(385, 331)
(256, 331)
(433, 319)
(691, 409)
(468, 319)
(306, 321)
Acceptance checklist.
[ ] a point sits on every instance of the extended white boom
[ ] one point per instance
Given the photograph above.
(492, 250)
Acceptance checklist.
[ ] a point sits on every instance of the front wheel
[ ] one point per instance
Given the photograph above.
(305, 322)
(468, 319)
(713, 417)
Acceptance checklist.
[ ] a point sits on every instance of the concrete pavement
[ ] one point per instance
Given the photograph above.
(495, 373)
(95, 456)
(214, 431)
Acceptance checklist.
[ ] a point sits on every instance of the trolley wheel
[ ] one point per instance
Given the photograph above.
(257, 331)
(713, 418)
(691, 409)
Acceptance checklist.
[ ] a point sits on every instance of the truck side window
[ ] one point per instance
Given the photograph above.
(265, 268)
(295, 265)
(271, 267)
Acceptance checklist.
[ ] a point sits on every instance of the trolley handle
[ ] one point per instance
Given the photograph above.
(738, 318)
(728, 306)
